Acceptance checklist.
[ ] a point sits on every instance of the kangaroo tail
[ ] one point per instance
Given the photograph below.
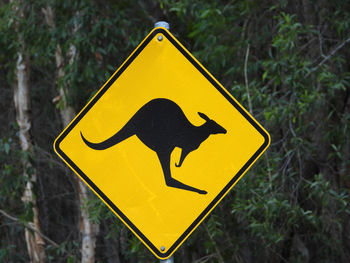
(116, 138)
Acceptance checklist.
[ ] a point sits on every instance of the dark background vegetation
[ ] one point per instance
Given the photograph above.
(292, 206)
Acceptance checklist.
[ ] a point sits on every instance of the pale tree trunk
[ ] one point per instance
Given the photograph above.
(67, 112)
(35, 243)
(88, 229)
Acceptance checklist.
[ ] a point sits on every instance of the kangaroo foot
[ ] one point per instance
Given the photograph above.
(171, 182)
(164, 159)
(202, 192)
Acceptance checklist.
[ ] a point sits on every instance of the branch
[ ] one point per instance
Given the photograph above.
(328, 56)
(246, 79)
(204, 259)
(145, 11)
(49, 18)
(221, 259)
(29, 227)
(320, 39)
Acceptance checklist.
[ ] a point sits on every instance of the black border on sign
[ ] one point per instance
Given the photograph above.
(217, 198)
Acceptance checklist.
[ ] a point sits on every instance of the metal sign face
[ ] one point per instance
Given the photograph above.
(161, 143)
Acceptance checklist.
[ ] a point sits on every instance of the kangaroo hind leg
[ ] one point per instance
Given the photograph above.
(164, 158)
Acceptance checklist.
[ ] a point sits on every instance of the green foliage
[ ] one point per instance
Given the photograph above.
(11, 182)
(64, 251)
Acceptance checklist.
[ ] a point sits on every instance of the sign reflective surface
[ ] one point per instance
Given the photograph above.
(162, 142)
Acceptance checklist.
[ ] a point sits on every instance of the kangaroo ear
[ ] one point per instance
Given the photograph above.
(202, 115)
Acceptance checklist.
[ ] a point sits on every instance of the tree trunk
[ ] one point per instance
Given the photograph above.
(35, 243)
(87, 229)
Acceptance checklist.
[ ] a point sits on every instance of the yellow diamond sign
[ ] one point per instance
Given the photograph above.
(161, 143)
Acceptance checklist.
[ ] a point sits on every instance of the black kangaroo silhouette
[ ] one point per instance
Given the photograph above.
(162, 125)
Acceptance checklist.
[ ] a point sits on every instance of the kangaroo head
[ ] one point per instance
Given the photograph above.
(211, 125)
